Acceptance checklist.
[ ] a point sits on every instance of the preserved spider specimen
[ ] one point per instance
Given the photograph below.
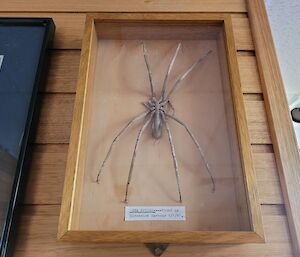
(157, 115)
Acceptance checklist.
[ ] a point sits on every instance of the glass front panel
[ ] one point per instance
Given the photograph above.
(20, 48)
(184, 147)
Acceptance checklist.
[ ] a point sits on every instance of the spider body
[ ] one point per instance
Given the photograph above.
(157, 116)
(157, 107)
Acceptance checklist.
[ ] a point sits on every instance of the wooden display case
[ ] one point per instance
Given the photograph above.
(113, 82)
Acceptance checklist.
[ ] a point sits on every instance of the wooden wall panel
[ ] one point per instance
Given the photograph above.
(282, 131)
(56, 110)
(38, 225)
(241, 29)
(121, 6)
(49, 162)
(63, 71)
(64, 67)
(38, 239)
(55, 119)
(70, 26)
(249, 74)
(47, 174)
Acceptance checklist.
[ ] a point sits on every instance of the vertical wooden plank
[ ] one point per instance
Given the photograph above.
(243, 135)
(283, 136)
(70, 182)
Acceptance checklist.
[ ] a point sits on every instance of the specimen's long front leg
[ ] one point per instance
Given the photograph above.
(148, 69)
(146, 123)
(201, 59)
(198, 147)
(163, 92)
(116, 139)
(175, 162)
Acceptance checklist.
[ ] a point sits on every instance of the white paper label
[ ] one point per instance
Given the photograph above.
(134, 213)
(1, 60)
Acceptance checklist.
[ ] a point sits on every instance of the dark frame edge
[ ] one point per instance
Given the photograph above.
(12, 218)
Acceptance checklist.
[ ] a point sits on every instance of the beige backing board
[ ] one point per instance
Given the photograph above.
(120, 86)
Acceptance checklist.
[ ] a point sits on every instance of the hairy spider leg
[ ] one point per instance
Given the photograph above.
(148, 69)
(163, 91)
(183, 76)
(198, 147)
(175, 162)
(116, 139)
(142, 129)
(148, 106)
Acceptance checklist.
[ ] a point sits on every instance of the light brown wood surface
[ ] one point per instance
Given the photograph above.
(95, 110)
(70, 26)
(56, 118)
(282, 132)
(39, 219)
(37, 242)
(120, 6)
(63, 74)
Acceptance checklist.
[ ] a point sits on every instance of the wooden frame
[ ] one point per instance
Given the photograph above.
(282, 132)
(67, 224)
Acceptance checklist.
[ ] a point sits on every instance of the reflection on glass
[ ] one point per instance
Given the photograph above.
(19, 55)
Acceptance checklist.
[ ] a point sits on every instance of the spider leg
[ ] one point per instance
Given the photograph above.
(148, 69)
(171, 107)
(163, 92)
(182, 77)
(175, 162)
(146, 123)
(148, 106)
(198, 147)
(116, 139)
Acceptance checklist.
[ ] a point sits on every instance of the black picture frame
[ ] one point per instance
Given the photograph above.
(8, 232)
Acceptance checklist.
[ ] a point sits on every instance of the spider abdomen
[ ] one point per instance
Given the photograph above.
(157, 125)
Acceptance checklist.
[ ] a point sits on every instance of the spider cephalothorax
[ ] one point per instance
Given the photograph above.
(158, 108)
(157, 114)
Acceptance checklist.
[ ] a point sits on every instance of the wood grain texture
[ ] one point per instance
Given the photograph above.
(49, 163)
(257, 122)
(242, 32)
(119, 6)
(38, 226)
(266, 172)
(64, 65)
(56, 118)
(283, 136)
(70, 181)
(68, 229)
(250, 180)
(63, 71)
(70, 26)
(46, 175)
(249, 74)
(43, 222)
